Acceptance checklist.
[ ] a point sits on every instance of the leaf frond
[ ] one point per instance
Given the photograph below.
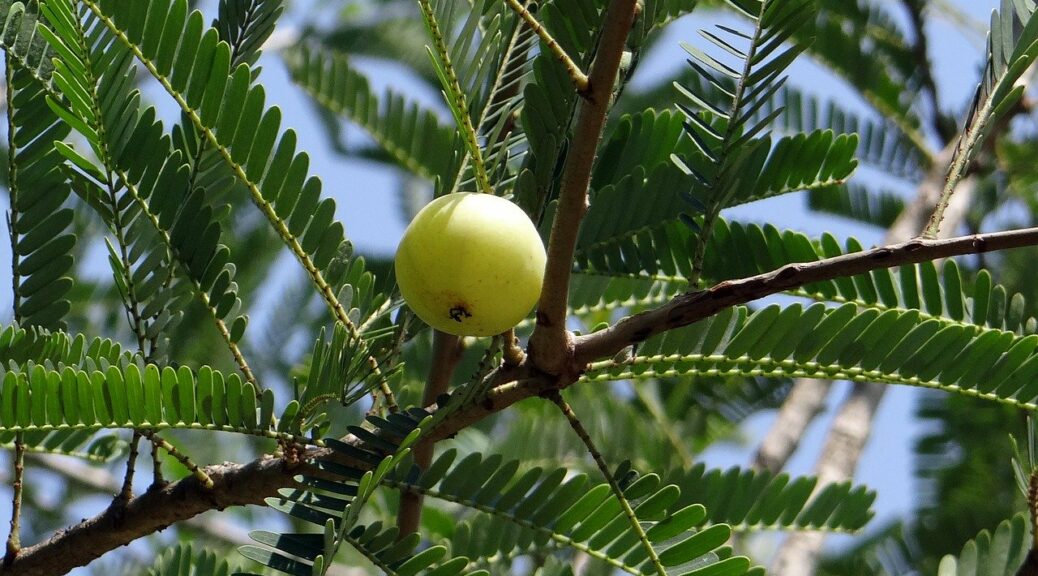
(411, 135)
(538, 507)
(1001, 552)
(182, 560)
(39, 223)
(333, 502)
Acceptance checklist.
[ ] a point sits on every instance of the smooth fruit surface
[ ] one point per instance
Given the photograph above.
(470, 264)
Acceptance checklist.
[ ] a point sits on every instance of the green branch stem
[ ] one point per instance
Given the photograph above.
(454, 92)
(578, 427)
(196, 471)
(203, 296)
(550, 344)
(580, 80)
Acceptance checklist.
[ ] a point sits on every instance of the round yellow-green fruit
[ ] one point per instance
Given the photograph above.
(470, 264)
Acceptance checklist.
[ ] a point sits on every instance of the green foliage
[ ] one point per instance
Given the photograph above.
(413, 137)
(663, 255)
(170, 203)
(999, 553)
(20, 40)
(882, 144)
(247, 137)
(858, 203)
(893, 346)
(966, 446)
(182, 560)
(399, 557)
(56, 383)
(83, 444)
(862, 43)
(132, 396)
(758, 500)
(39, 223)
(99, 102)
(333, 502)
(1012, 48)
(246, 25)
(533, 509)
(728, 144)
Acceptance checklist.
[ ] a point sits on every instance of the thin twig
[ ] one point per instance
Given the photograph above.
(551, 343)
(14, 540)
(126, 491)
(446, 353)
(625, 505)
(580, 80)
(920, 49)
(172, 450)
(157, 479)
(972, 135)
(513, 354)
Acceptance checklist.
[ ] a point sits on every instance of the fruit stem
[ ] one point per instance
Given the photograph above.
(513, 354)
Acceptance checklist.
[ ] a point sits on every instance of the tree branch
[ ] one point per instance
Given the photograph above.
(803, 403)
(233, 485)
(550, 344)
(691, 307)
(944, 128)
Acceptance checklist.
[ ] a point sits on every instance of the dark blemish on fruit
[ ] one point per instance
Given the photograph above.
(459, 313)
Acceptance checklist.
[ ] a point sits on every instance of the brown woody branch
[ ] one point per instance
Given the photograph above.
(691, 307)
(550, 344)
(233, 485)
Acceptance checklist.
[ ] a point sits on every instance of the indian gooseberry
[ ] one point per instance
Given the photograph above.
(470, 264)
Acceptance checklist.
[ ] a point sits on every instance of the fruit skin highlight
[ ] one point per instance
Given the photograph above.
(471, 264)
